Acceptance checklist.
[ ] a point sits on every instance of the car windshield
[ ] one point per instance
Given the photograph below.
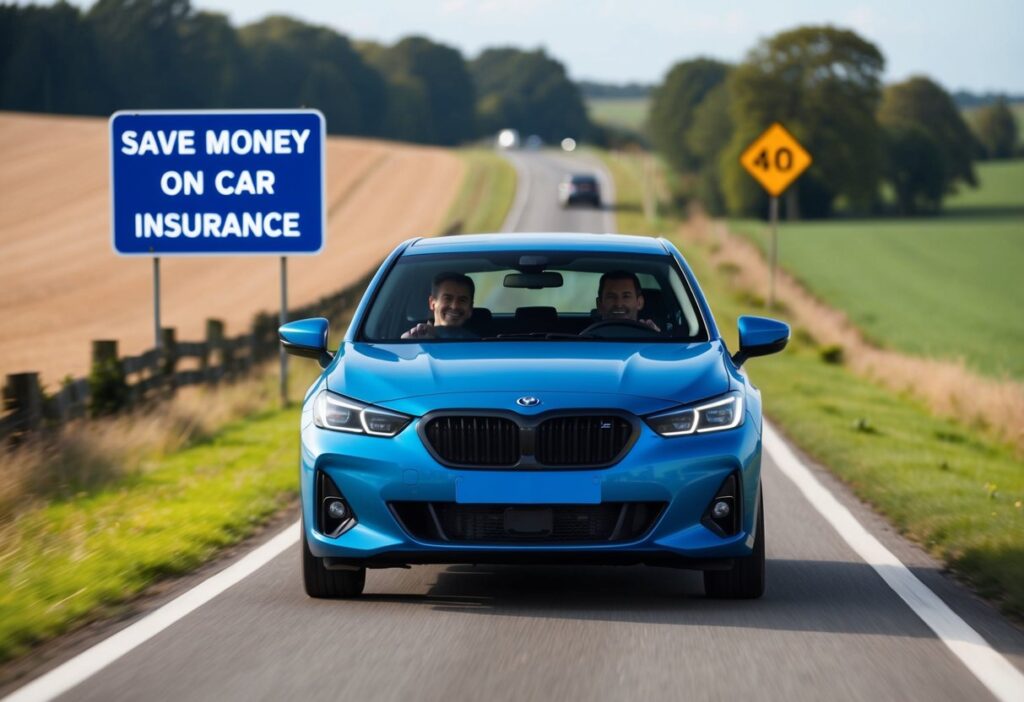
(540, 296)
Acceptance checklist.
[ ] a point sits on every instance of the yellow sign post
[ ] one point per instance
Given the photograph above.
(775, 159)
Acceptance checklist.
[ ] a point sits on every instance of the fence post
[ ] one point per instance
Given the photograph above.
(214, 351)
(169, 349)
(23, 397)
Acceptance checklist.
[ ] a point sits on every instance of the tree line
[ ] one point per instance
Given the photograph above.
(824, 84)
(163, 54)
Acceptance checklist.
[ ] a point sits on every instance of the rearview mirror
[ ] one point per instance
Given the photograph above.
(760, 336)
(534, 281)
(307, 338)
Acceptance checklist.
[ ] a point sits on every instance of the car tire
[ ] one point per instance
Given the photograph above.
(329, 584)
(746, 579)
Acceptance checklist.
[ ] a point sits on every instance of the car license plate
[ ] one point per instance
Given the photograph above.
(538, 521)
(528, 488)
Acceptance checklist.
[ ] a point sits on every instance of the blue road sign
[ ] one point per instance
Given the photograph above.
(233, 182)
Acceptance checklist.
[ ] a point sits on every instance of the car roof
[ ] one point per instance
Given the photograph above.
(546, 241)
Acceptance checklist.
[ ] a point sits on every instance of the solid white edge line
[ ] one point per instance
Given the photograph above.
(89, 662)
(990, 667)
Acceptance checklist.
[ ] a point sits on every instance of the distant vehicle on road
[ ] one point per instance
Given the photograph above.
(589, 413)
(579, 188)
(508, 139)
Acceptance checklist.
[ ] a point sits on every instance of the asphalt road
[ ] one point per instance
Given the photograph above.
(828, 627)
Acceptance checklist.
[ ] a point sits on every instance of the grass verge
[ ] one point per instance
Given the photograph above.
(958, 494)
(489, 186)
(77, 558)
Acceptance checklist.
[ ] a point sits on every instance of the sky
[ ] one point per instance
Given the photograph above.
(976, 45)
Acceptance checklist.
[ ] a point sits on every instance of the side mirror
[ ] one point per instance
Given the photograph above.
(760, 336)
(306, 338)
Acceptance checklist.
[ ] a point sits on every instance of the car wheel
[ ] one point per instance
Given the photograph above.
(745, 580)
(330, 584)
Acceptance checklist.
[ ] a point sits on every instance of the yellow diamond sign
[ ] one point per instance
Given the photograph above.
(775, 159)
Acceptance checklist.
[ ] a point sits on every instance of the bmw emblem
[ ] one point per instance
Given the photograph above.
(528, 401)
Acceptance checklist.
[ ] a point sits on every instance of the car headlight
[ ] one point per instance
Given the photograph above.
(333, 411)
(724, 413)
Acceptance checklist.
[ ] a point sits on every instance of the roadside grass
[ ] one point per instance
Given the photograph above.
(628, 113)
(489, 186)
(77, 558)
(944, 287)
(93, 518)
(954, 491)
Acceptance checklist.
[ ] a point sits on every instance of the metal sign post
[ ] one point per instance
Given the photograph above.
(774, 217)
(218, 183)
(775, 159)
(156, 303)
(284, 320)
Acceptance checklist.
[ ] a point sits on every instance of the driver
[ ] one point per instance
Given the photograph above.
(619, 297)
(451, 302)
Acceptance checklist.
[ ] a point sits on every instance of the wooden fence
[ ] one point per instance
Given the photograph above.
(118, 384)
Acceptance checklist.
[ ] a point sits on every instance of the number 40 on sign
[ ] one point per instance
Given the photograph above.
(775, 159)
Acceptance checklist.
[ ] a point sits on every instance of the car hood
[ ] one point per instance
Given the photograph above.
(418, 378)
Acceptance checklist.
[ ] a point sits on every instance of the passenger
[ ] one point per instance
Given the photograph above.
(451, 302)
(619, 297)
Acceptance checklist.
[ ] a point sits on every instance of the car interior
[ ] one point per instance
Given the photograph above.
(502, 308)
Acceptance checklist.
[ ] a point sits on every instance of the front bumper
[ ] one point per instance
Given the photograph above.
(682, 472)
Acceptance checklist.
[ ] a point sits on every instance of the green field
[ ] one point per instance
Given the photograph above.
(1017, 108)
(946, 286)
(627, 113)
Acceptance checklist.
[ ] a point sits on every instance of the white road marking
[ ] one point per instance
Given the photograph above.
(89, 662)
(993, 670)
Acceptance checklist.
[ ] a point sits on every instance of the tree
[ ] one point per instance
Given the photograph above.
(140, 44)
(913, 167)
(439, 74)
(528, 91)
(996, 129)
(673, 109)
(212, 60)
(49, 61)
(293, 64)
(823, 84)
(930, 144)
(706, 138)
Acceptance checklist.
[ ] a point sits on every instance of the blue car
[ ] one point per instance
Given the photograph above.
(537, 398)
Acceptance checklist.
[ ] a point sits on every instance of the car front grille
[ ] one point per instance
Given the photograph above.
(609, 522)
(565, 441)
(481, 441)
(576, 441)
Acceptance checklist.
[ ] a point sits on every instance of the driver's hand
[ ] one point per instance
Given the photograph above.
(423, 330)
(649, 323)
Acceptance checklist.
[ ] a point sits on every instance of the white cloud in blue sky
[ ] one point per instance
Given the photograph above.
(977, 45)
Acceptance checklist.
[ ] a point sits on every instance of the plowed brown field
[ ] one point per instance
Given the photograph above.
(61, 285)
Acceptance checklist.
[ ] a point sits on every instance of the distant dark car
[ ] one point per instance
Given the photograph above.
(579, 188)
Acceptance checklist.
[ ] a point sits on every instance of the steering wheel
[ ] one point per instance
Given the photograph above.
(627, 325)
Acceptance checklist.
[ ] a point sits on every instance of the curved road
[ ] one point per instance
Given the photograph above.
(829, 626)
